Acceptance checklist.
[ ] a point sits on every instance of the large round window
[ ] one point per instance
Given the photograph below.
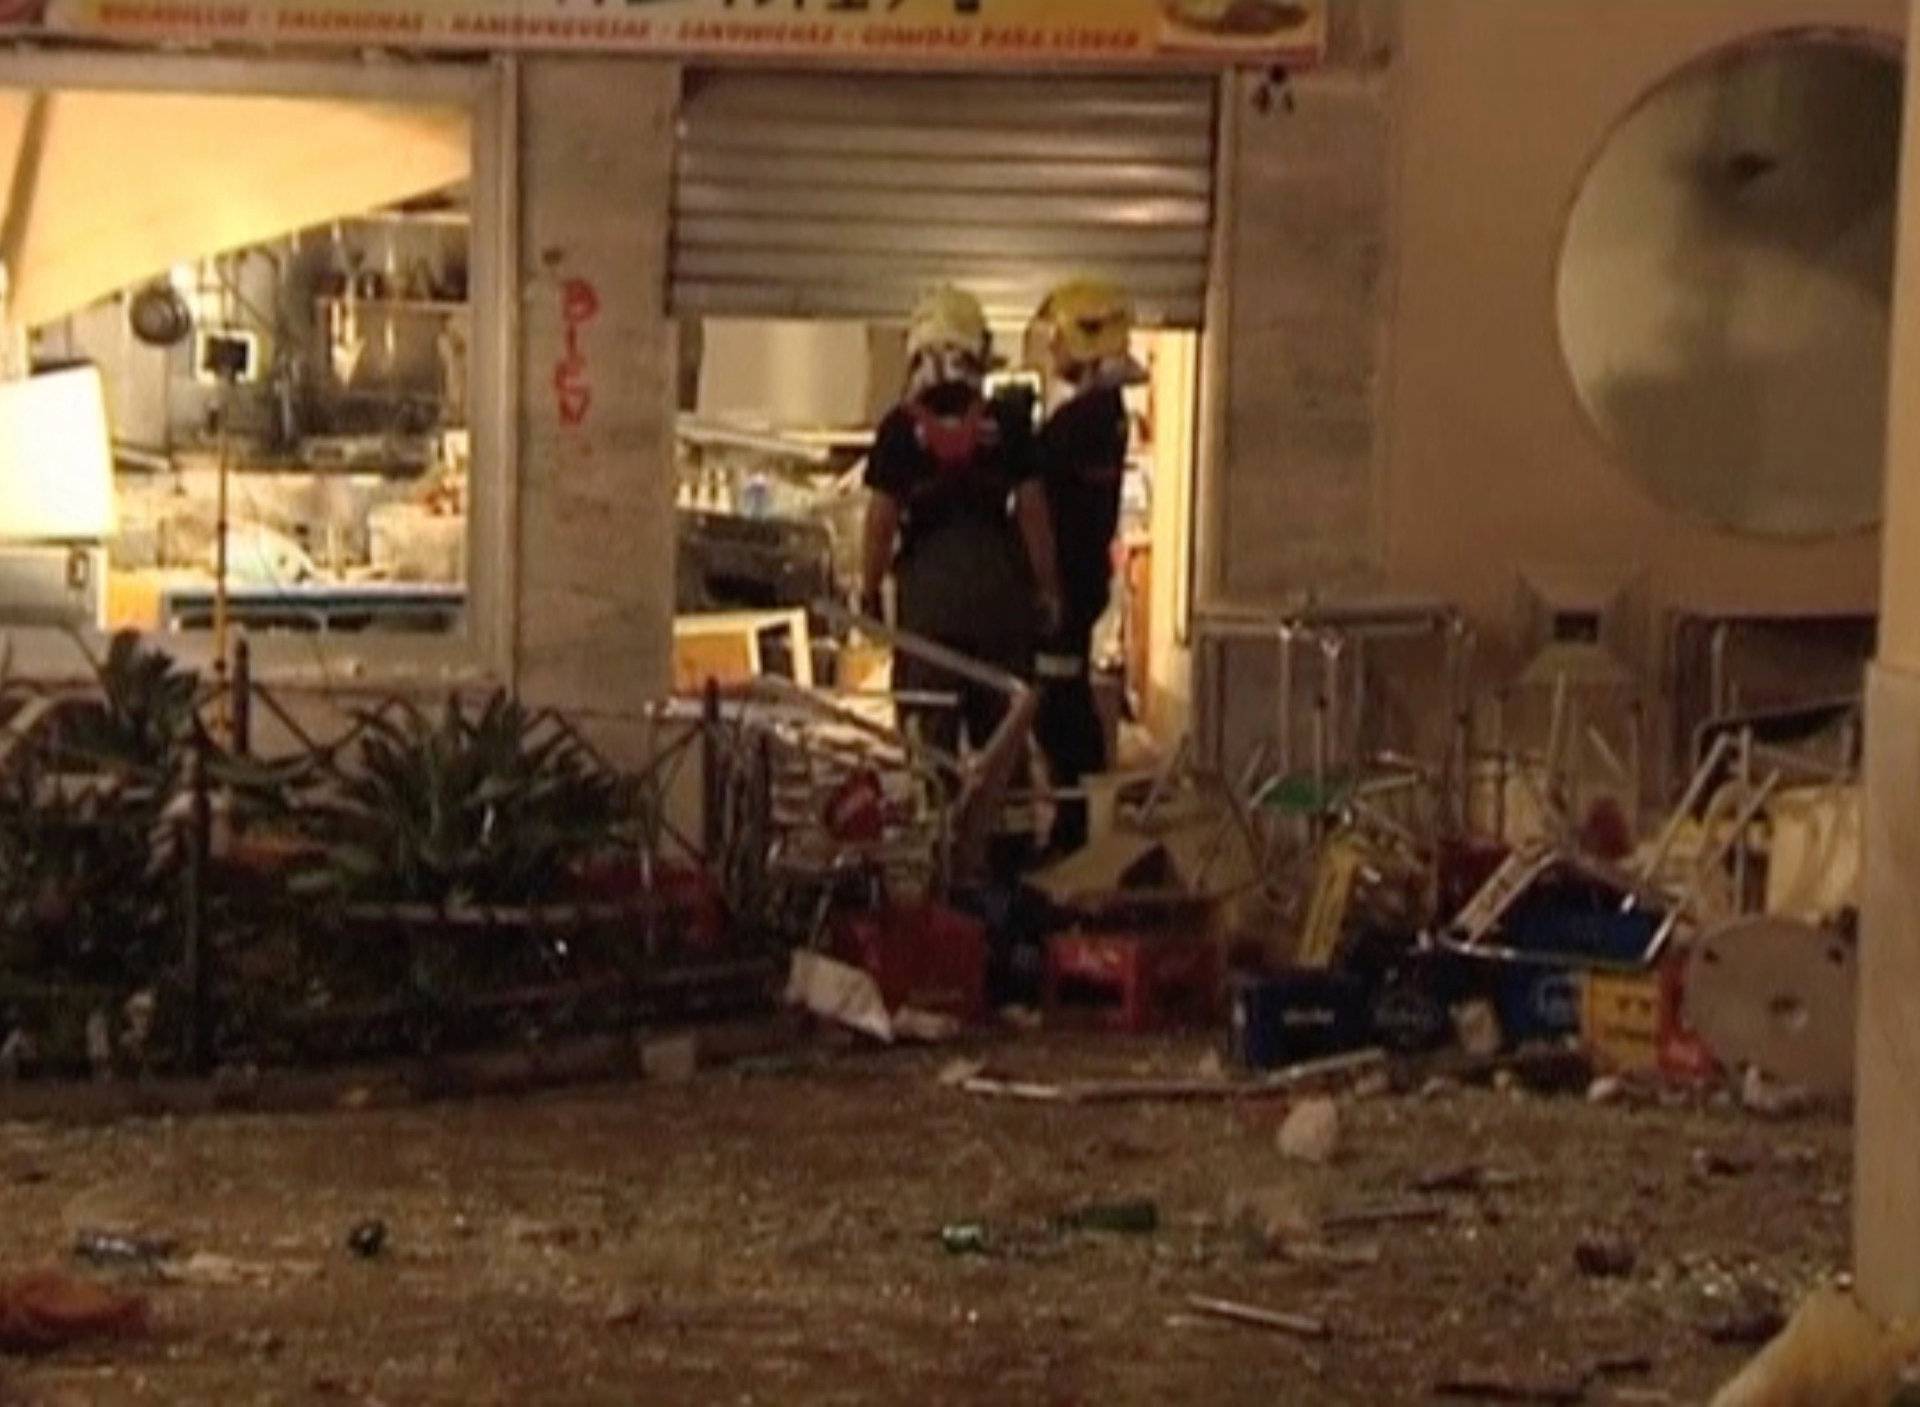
(1725, 282)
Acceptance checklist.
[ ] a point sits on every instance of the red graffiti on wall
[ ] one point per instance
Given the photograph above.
(572, 390)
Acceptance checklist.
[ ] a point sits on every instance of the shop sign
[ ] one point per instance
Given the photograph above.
(946, 33)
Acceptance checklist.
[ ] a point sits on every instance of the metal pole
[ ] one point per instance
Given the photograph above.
(193, 910)
(1460, 691)
(1285, 639)
(222, 720)
(1356, 722)
(1501, 764)
(1717, 669)
(1636, 762)
(710, 819)
(1742, 858)
(242, 741)
(1696, 790)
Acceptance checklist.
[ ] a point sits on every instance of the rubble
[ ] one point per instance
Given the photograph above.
(1311, 1133)
(1332, 1072)
(48, 1310)
(1297, 1325)
(1771, 1099)
(1605, 1257)
(1483, 1385)
(368, 1239)
(1274, 1219)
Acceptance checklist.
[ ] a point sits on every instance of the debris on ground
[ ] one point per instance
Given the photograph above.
(1464, 1178)
(212, 1270)
(1311, 1133)
(1334, 1072)
(1755, 1317)
(1456, 1273)
(839, 992)
(1712, 1163)
(957, 1073)
(1832, 1354)
(1333, 1257)
(1299, 1325)
(1552, 1386)
(1136, 1218)
(1273, 1219)
(1483, 1385)
(1770, 1098)
(1387, 1214)
(368, 1238)
(965, 1239)
(122, 1250)
(1604, 1257)
(47, 1310)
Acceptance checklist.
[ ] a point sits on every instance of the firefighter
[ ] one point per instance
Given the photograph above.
(957, 514)
(1082, 334)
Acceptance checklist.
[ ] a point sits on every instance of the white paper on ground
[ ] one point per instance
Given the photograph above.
(838, 992)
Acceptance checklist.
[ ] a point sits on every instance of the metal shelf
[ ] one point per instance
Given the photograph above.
(424, 307)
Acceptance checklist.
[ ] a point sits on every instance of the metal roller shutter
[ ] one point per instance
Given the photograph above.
(849, 196)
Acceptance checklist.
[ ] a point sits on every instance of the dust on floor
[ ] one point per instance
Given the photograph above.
(773, 1236)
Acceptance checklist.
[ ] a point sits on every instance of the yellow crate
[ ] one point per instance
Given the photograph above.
(1622, 1021)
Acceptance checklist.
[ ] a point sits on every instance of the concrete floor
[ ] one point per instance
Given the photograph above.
(772, 1236)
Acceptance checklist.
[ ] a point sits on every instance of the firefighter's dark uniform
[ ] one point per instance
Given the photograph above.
(1083, 455)
(952, 462)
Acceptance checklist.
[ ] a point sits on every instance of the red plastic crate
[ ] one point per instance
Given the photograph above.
(1131, 981)
(921, 956)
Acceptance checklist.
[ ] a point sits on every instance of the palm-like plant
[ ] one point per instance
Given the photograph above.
(495, 806)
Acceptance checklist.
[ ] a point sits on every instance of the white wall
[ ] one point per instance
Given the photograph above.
(1503, 104)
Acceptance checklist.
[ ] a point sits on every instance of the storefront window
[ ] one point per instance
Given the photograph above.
(263, 301)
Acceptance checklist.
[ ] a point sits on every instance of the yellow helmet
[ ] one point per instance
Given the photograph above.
(949, 319)
(1091, 320)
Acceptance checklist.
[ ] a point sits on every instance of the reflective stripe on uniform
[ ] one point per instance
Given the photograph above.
(1059, 666)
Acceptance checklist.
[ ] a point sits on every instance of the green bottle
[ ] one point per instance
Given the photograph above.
(964, 1239)
(1137, 1218)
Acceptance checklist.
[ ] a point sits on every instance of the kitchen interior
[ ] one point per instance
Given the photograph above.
(283, 334)
(776, 420)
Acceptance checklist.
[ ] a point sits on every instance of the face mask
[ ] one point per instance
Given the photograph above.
(944, 366)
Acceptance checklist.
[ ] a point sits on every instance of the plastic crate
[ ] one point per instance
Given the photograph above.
(1635, 1023)
(1295, 1016)
(1130, 981)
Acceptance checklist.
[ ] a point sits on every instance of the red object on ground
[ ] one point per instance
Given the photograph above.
(47, 1310)
(1683, 1055)
(1131, 981)
(922, 956)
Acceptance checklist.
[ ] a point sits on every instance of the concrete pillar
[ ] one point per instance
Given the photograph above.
(599, 387)
(1887, 1137)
